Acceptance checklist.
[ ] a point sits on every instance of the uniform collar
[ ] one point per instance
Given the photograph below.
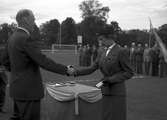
(25, 30)
(112, 46)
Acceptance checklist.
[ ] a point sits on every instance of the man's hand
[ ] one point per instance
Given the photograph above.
(71, 71)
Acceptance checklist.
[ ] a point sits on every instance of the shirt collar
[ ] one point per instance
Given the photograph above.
(25, 30)
(112, 46)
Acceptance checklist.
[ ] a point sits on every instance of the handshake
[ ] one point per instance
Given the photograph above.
(71, 71)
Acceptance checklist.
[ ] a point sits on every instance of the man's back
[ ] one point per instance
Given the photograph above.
(25, 80)
(25, 60)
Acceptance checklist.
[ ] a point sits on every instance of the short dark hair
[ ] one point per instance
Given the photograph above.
(107, 33)
(22, 13)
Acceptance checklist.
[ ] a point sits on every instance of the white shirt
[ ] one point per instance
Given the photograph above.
(25, 30)
(108, 50)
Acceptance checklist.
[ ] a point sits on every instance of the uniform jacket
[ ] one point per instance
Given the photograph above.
(25, 61)
(115, 68)
(146, 55)
(139, 54)
(3, 76)
(133, 51)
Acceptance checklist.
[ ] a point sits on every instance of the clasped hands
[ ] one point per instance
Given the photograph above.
(71, 71)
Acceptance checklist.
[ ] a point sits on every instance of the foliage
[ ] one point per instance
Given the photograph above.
(90, 26)
(94, 8)
(5, 31)
(50, 31)
(134, 35)
(68, 31)
(162, 31)
(94, 19)
(115, 27)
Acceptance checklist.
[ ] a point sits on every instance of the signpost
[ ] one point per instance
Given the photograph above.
(79, 39)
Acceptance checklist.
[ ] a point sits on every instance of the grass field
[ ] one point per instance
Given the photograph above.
(146, 97)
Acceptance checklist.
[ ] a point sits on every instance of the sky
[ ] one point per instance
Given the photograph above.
(130, 14)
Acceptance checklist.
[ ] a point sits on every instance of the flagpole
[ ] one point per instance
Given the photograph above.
(159, 41)
(149, 42)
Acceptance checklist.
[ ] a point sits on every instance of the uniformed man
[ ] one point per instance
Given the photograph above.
(25, 59)
(3, 82)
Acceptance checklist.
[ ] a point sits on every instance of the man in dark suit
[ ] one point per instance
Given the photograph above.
(139, 59)
(94, 53)
(147, 60)
(3, 82)
(154, 52)
(88, 54)
(133, 49)
(26, 87)
(115, 67)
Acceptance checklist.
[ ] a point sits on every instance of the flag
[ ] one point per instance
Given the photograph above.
(159, 41)
(151, 26)
(150, 33)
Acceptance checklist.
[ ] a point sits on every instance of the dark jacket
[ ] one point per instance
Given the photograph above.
(25, 61)
(3, 76)
(115, 68)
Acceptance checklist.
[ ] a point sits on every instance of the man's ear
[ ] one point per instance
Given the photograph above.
(25, 20)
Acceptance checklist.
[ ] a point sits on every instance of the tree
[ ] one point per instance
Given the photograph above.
(115, 27)
(90, 26)
(94, 19)
(134, 35)
(68, 31)
(5, 30)
(94, 8)
(13, 26)
(50, 32)
(162, 31)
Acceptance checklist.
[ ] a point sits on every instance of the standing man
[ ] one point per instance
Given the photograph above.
(3, 82)
(133, 56)
(154, 52)
(161, 64)
(84, 56)
(94, 53)
(80, 51)
(147, 60)
(139, 59)
(26, 87)
(88, 54)
(100, 48)
(115, 67)
(128, 50)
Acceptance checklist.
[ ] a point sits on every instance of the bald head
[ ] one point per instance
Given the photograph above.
(25, 18)
(23, 13)
(133, 44)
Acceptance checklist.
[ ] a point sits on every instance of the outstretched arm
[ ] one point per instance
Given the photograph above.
(32, 49)
(87, 70)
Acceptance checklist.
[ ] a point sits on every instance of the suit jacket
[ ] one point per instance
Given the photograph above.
(115, 68)
(3, 76)
(139, 54)
(25, 61)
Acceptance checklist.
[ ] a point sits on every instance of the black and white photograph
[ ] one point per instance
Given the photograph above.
(83, 60)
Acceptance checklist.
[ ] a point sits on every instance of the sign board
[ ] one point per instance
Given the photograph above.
(79, 39)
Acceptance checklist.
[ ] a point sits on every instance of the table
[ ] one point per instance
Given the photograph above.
(73, 102)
